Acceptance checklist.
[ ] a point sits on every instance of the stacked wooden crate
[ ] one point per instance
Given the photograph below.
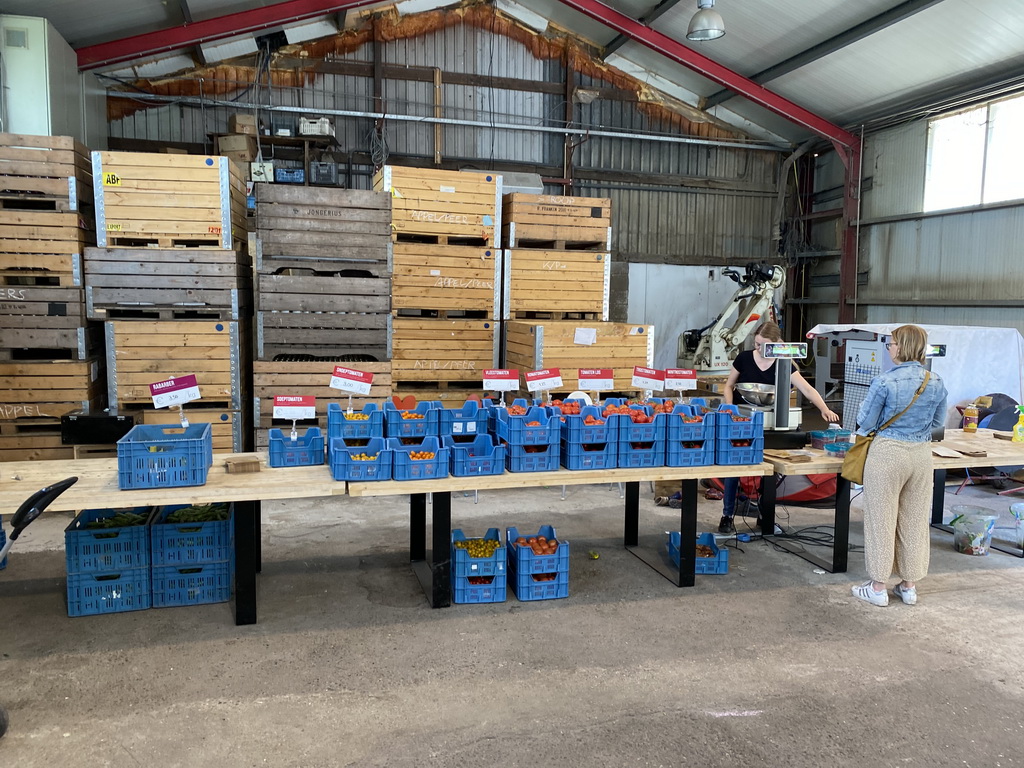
(446, 286)
(172, 278)
(49, 352)
(323, 292)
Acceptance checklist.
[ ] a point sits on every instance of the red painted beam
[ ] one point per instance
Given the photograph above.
(218, 28)
(676, 51)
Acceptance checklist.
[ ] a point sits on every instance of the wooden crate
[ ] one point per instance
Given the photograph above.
(226, 427)
(450, 279)
(168, 200)
(44, 174)
(310, 379)
(555, 285)
(142, 352)
(443, 207)
(168, 284)
(556, 223)
(437, 355)
(46, 323)
(619, 346)
(323, 229)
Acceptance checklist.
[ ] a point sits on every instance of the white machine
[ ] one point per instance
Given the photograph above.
(712, 349)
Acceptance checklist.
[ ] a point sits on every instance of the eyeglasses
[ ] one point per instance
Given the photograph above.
(891, 344)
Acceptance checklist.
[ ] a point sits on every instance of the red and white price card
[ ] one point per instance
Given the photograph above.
(176, 391)
(680, 379)
(648, 378)
(543, 380)
(348, 380)
(596, 379)
(294, 407)
(501, 380)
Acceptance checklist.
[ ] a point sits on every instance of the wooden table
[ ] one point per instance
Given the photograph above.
(434, 572)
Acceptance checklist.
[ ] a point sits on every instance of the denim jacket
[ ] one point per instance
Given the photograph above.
(891, 392)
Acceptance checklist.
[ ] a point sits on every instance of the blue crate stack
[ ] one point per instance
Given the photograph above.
(529, 573)
(491, 569)
(192, 562)
(729, 433)
(589, 446)
(466, 422)
(689, 444)
(108, 568)
(530, 448)
(641, 445)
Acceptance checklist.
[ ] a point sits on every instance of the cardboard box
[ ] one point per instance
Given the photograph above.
(242, 123)
(239, 143)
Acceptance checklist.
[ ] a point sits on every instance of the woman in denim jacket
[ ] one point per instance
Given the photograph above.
(898, 470)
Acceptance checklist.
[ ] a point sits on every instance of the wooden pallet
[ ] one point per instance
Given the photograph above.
(619, 346)
(446, 207)
(561, 284)
(327, 230)
(145, 199)
(443, 353)
(46, 323)
(447, 278)
(566, 222)
(39, 444)
(325, 334)
(142, 352)
(46, 390)
(227, 428)
(44, 174)
(167, 284)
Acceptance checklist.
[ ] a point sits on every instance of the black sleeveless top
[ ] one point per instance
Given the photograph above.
(750, 373)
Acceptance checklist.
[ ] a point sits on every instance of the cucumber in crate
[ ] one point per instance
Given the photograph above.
(478, 568)
(196, 533)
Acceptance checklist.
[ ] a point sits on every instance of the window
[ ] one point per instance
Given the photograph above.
(976, 156)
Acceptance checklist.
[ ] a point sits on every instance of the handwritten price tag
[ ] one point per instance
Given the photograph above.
(543, 380)
(178, 391)
(648, 378)
(680, 379)
(348, 380)
(501, 380)
(294, 407)
(596, 379)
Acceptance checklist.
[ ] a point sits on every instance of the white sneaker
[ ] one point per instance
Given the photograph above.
(868, 595)
(907, 594)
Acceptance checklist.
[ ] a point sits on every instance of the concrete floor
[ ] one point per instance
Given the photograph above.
(772, 664)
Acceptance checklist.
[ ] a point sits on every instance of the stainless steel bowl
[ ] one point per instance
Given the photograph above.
(757, 394)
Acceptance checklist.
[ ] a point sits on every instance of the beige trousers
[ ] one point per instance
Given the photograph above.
(898, 498)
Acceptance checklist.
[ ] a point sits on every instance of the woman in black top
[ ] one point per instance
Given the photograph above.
(751, 368)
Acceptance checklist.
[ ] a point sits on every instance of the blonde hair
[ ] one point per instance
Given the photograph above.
(912, 341)
(769, 330)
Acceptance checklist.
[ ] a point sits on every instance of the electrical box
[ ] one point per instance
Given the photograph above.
(262, 171)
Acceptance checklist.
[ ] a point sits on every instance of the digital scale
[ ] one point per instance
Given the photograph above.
(781, 416)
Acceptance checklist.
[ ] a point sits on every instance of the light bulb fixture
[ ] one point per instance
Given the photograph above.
(706, 23)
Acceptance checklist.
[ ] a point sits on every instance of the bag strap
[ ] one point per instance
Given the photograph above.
(927, 375)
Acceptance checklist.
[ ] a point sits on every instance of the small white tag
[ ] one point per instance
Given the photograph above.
(585, 336)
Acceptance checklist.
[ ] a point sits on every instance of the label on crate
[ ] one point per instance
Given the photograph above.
(176, 391)
(680, 379)
(501, 380)
(543, 380)
(596, 379)
(111, 179)
(348, 380)
(294, 407)
(648, 378)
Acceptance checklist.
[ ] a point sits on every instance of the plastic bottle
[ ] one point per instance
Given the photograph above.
(971, 418)
(1018, 428)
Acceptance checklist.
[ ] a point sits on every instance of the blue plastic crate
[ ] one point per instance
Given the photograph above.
(290, 175)
(481, 456)
(689, 453)
(727, 426)
(727, 452)
(430, 424)
(191, 584)
(164, 456)
(408, 468)
(583, 456)
(514, 430)
(106, 550)
(344, 467)
(534, 586)
(464, 565)
(575, 431)
(525, 561)
(340, 424)
(677, 430)
(533, 458)
(631, 432)
(92, 594)
(640, 454)
(177, 544)
(494, 592)
(471, 419)
(306, 450)
(705, 565)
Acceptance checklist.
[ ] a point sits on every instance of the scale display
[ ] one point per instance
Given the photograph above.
(781, 350)
(936, 350)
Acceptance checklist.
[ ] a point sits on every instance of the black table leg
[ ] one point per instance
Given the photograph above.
(632, 533)
(938, 495)
(684, 575)
(247, 524)
(687, 575)
(766, 505)
(435, 573)
(841, 539)
(417, 526)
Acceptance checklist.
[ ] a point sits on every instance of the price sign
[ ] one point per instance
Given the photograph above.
(178, 391)
(680, 379)
(501, 380)
(294, 407)
(648, 378)
(596, 379)
(348, 380)
(543, 380)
